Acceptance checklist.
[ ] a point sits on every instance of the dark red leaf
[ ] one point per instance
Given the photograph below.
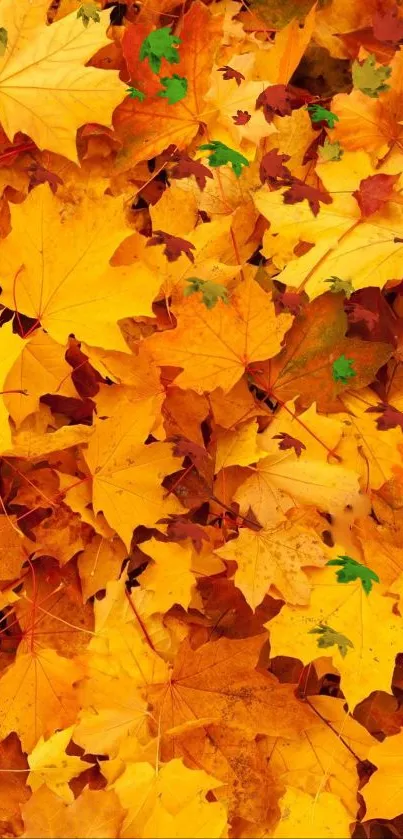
(187, 167)
(357, 313)
(373, 193)
(174, 245)
(197, 454)
(288, 442)
(152, 192)
(312, 150)
(181, 528)
(241, 118)
(388, 26)
(272, 168)
(230, 73)
(281, 99)
(291, 301)
(390, 416)
(299, 191)
(40, 175)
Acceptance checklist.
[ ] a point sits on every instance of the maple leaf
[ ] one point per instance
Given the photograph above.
(211, 292)
(88, 12)
(369, 78)
(136, 94)
(45, 89)
(40, 175)
(222, 360)
(230, 73)
(272, 168)
(160, 44)
(175, 88)
(390, 417)
(288, 442)
(241, 117)
(299, 191)
(274, 557)
(329, 637)
(185, 167)
(3, 40)
(179, 529)
(353, 570)
(373, 192)
(387, 25)
(174, 245)
(320, 114)
(197, 454)
(358, 314)
(330, 151)
(342, 369)
(221, 155)
(61, 275)
(337, 285)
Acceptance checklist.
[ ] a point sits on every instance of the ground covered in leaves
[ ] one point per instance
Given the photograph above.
(201, 473)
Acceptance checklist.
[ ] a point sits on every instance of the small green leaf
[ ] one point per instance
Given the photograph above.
(342, 369)
(329, 637)
(3, 40)
(330, 151)
(160, 44)
(88, 11)
(176, 88)
(337, 285)
(222, 154)
(320, 114)
(136, 94)
(352, 570)
(369, 78)
(211, 292)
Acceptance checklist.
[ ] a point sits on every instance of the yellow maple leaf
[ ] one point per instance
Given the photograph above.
(45, 89)
(366, 620)
(246, 330)
(383, 792)
(275, 557)
(60, 274)
(50, 765)
(304, 816)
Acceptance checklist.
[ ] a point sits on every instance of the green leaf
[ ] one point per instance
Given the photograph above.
(88, 11)
(352, 570)
(329, 637)
(330, 151)
(320, 114)
(3, 40)
(222, 154)
(176, 88)
(211, 292)
(342, 369)
(369, 78)
(136, 94)
(337, 285)
(158, 45)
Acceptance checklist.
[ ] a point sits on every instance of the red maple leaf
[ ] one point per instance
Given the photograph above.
(197, 454)
(291, 301)
(288, 442)
(390, 416)
(272, 168)
(186, 167)
(388, 26)
(373, 193)
(181, 528)
(230, 73)
(357, 313)
(298, 191)
(40, 175)
(174, 245)
(281, 99)
(241, 117)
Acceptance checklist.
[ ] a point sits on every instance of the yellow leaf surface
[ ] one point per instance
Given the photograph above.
(383, 793)
(169, 577)
(376, 636)
(50, 765)
(304, 816)
(246, 330)
(45, 89)
(60, 273)
(275, 557)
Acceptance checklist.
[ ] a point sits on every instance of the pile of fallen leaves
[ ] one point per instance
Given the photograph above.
(201, 474)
